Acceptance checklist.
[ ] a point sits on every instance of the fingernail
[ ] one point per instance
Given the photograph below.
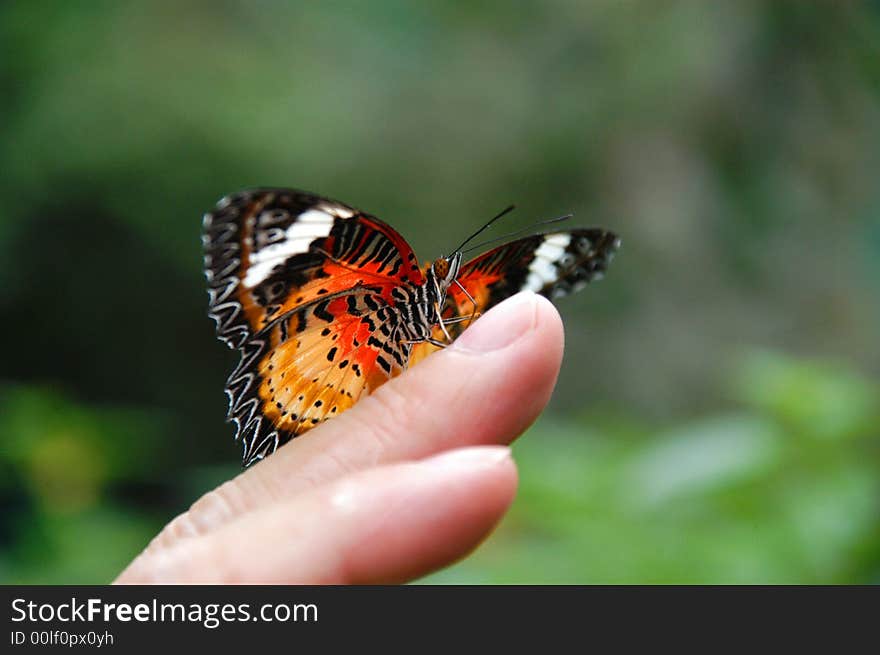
(469, 458)
(501, 325)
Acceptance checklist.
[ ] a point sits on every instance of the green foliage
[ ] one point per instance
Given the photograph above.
(778, 492)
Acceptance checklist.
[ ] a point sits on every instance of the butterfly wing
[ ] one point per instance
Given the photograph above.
(269, 251)
(311, 364)
(305, 288)
(552, 264)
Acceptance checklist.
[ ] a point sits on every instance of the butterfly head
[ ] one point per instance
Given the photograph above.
(444, 270)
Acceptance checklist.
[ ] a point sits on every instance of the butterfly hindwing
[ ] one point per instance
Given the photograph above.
(311, 364)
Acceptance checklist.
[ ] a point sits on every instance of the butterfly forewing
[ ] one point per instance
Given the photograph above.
(552, 264)
(268, 251)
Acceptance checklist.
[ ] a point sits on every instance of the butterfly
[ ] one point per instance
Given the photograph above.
(325, 302)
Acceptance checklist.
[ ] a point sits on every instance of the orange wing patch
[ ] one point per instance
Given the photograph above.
(269, 251)
(320, 359)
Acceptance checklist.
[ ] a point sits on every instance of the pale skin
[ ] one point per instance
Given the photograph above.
(409, 480)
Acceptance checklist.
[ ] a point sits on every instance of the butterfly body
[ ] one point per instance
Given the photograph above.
(325, 303)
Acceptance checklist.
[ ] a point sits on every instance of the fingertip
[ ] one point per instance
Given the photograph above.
(501, 326)
(549, 332)
(547, 317)
(455, 502)
(492, 468)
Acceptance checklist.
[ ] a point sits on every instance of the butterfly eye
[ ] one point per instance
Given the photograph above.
(441, 268)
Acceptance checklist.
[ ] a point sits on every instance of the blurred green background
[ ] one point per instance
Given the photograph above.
(718, 414)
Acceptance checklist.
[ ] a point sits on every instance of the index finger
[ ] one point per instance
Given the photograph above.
(486, 388)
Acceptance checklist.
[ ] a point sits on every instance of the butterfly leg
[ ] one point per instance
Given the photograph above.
(459, 319)
(473, 316)
(442, 323)
(433, 342)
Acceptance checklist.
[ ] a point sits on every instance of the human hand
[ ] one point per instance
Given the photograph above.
(409, 480)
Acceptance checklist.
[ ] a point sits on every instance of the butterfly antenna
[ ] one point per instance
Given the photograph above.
(549, 221)
(491, 220)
